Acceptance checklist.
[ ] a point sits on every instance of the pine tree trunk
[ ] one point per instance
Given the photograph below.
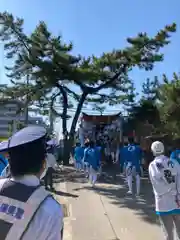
(67, 151)
(69, 142)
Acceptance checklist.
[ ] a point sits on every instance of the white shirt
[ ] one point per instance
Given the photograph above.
(165, 192)
(48, 221)
(51, 160)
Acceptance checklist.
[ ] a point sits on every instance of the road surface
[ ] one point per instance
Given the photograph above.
(106, 212)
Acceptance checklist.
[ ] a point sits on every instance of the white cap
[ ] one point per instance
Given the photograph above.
(157, 148)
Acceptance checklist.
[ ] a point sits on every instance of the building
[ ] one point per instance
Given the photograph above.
(11, 118)
(97, 126)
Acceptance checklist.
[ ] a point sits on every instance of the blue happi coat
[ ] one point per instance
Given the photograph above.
(175, 155)
(91, 157)
(78, 154)
(133, 154)
(3, 163)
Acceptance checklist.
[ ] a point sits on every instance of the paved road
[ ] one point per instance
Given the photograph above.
(107, 213)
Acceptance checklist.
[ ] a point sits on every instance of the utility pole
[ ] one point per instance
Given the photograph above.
(27, 104)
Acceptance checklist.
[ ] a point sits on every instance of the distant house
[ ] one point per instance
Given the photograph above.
(12, 118)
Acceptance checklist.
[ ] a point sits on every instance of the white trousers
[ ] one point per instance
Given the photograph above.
(92, 176)
(130, 173)
(100, 171)
(86, 168)
(170, 223)
(142, 171)
(78, 166)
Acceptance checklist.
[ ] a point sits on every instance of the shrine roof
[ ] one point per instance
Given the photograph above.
(100, 118)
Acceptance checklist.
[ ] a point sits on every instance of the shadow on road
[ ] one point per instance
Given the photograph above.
(65, 194)
(68, 174)
(143, 206)
(116, 191)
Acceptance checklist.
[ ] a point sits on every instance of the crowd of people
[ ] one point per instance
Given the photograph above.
(164, 174)
(87, 158)
(27, 209)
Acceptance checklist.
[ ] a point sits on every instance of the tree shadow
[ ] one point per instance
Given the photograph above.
(143, 206)
(69, 174)
(116, 192)
(65, 194)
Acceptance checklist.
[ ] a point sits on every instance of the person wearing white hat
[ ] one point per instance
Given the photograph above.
(27, 210)
(165, 178)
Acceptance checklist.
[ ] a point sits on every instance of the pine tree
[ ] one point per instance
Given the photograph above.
(150, 89)
(169, 105)
(53, 69)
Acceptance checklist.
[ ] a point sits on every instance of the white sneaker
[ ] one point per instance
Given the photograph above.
(129, 192)
(94, 183)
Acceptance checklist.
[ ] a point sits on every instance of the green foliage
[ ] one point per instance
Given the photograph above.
(130, 100)
(145, 113)
(150, 89)
(169, 105)
(53, 69)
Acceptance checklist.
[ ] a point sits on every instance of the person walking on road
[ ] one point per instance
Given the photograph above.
(165, 178)
(78, 156)
(85, 162)
(27, 210)
(91, 156)
(3, 160)
(51, 167)
(175, 155)
(99, 156)
(133, 157)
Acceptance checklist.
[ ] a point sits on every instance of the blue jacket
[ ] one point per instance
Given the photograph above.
(133, 153)
(98, 152)
(78, 154)
(175, 155)
(3, 163)
(91, 157)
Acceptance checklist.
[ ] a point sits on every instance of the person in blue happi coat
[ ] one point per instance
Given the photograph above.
(91, 157)
(3, 159)
(133, 158)
(99, 155)
(85, 164)
(3, 163)
(122, 160)
(78, 156)
(175, 155)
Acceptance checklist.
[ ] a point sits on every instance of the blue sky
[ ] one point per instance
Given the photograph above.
(99, 26)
